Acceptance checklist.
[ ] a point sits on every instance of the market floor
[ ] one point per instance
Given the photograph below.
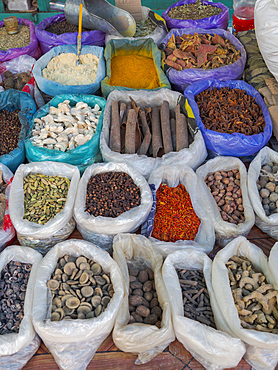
(175, 357)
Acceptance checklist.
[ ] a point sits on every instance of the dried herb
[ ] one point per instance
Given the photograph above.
(16, 40)
(58, 28)
(10, 127)
(144, 28)
(193, 11)
(175, 218)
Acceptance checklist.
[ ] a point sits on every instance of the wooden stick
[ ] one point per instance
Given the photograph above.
(147, 134)
(156, 132)
(130, 132)
(173, 132)
(165, 127)
(115, 135)
(181, 130)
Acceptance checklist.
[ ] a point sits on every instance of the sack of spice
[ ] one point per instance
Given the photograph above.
(18, 340)
(195, 312)
(262, 188)
(17, 109)
(7, 231)
(151, 26)
(39, 220)
(196, 13)
(54, 31)
(111, 198)
(59, 144)
(144, 71)
(192, 155)
(138, 331)
(225, 130)
(178, 214)
(223, 185)
(220, 56)
(23, 42)
(74, 342)
(52, 87)
(246, 293)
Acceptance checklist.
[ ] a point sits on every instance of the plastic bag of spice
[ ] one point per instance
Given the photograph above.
(261, 346)
(235, 143)
(54, 88)
(30, 49)
(220, 20)
(48, 40)
(222, 166)
(17, 347)
(82, 156)
(11, 100)
(193, 156)
(73, 343)
(267, 224)
(181, 79)
(213, 348)
(146, 340)
(38, 235)
(101, 229)
(201, 229)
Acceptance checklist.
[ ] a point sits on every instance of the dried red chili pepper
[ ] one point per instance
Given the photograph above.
(175, 218)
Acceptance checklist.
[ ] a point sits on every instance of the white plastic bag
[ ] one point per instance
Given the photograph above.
(192, 156)
(145, 340)
(268, 224)
(262, 349)
(43, 237)
(225, 231)
(7, 232)
(101, 230)
(73, 343)
(16, 349)
(266, 28)
(173, 176)
(23, 63)
(213, 348)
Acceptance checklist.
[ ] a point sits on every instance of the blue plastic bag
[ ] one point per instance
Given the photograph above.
(53, 88)
(235, 144)
(147, 226)
(49, 40)
(11, 100)
(82, 156)
(181, 79)
(220, 20)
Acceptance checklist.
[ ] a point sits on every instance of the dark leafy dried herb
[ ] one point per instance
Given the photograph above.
(10, 127)
(193, 11)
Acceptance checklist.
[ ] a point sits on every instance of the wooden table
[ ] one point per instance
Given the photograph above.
(174, 357)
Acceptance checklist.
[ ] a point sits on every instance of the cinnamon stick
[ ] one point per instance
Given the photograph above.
(165, 127)
(115, 136)
(130, 132)
(156, 133)
(181, 130)
(146, 132)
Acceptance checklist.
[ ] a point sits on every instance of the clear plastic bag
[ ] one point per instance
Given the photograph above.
(39, 236)
(214, 349)
(101, 230)
(145, 340)
(192, 156)
(173, 176)
(17, 348)
(262, 352)
(225, 231)
(73, 343)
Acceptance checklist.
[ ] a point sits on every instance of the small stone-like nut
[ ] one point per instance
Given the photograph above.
(135, 300)
(156, 310)
(84, 278)
(72, 302)
(61, 312)
(57, 302)
(143, 276)
(148, 286)
(96, 300)
(143, 311)
(84, 309)
(267, 168)
(69, 267)
(68, 311)
(80, 260)
(105, 301)
(98, 291)
(154, 302)
(148, 296)
(65, 297)
(273, 197)
(87, 291)
(53, 284)
(106, 278)
(100, 280)
(151, 319)
(96, 268)
(270, 186)
(75, 271)
(55, 316)
(138, 292)
(98, 310)
(90, 315)
(84, 266)
(264, 193)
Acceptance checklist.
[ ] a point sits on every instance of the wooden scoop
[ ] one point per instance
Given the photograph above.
(79, 33)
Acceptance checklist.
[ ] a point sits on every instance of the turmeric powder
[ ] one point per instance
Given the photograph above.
(134, 71)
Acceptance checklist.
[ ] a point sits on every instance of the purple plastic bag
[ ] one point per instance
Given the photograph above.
(181, 79)
(48, 40)
(216, 21)
(29, 49)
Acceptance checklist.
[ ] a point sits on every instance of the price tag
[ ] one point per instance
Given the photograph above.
(134, 7)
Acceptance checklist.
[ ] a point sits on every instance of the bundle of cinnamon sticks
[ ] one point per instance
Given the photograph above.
(3, 200)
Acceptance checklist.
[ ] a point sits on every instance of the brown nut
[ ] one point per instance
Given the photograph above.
(143, 311)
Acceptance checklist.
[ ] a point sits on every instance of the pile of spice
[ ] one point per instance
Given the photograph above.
(195, 296)
(134, 71)
(230, 110)
(110, 194)
(200, 51)
(10, 128)
(13, 286)
(267, 185)
(144, 28)
(58, 28)
(147, 131)
(44, 196)
(15, 40)
(193, 11)
(175, 218)
(3, 200)
(143, 301)
(15, 81)
(80, 289)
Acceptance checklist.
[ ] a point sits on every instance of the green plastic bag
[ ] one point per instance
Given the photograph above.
(145, 48)
(82, 156)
